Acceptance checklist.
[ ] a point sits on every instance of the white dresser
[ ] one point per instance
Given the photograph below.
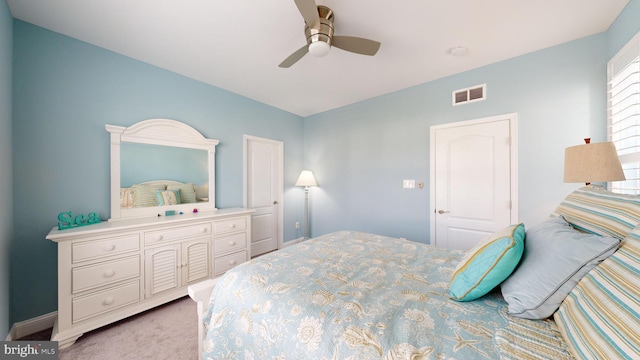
(112, 270)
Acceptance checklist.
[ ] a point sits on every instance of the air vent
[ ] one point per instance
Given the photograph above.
(472, 94)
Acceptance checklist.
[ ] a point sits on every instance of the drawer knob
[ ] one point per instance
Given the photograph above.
(232, 225)
(109, 273)
(231, 243)
(232, 262)
(108, 301)
(110, 247)
(204, 230)
(158, 237)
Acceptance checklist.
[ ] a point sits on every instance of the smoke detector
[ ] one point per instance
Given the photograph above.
(458, 51)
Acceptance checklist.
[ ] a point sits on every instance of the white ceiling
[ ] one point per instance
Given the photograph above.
(237, 44)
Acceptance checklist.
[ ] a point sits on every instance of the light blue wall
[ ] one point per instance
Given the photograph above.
(624, 28)
(146, 162)
(6, 219)
(361, 153)
(65, 91)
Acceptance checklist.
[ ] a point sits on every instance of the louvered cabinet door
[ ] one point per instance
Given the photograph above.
(162, 269)
(196, 264)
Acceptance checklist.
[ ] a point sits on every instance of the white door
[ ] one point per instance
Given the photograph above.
(473, 180)
(263, 192)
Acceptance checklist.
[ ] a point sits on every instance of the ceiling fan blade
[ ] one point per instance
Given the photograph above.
(356, 45)
(309, 11)
(293, 58)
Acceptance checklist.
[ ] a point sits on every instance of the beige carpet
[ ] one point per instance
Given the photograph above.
(167, 332)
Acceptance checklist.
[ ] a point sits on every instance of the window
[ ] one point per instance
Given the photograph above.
(623, 113)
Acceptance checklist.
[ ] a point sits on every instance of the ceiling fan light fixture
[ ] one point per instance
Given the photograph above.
(319, 48)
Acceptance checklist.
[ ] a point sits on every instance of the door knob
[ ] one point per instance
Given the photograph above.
(442, 211)
(275, 202)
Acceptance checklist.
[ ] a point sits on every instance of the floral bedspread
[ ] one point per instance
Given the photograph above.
(349, 295)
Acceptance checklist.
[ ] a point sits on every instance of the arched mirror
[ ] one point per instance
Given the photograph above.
(160, 167)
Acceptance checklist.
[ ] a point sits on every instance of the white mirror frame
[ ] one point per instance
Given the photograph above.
(158, 132)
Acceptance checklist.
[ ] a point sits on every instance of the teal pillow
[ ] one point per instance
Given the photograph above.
(488, 264)
(168, 197)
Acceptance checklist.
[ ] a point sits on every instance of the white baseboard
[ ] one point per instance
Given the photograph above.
(32, 326)
(293, 242)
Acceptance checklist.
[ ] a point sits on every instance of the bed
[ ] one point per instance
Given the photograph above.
(161, 192)
(352, 295)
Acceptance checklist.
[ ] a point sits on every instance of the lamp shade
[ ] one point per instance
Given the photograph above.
(597, 162)
(306, 179)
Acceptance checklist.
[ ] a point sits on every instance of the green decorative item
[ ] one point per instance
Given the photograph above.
(66, 220)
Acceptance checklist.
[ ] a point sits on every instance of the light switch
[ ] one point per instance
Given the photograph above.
(409, 184)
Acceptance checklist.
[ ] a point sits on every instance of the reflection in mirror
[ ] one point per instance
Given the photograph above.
(144, 162)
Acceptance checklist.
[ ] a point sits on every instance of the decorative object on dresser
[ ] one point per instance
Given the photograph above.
(66, 220)
(142, 258)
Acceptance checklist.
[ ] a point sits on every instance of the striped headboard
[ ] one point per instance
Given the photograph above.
(601, 316)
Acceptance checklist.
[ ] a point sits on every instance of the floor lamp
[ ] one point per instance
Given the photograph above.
(306, 179)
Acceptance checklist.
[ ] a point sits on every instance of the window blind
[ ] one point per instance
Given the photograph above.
(623, 113)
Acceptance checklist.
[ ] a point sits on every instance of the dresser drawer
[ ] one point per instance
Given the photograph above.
(104, 301)
(87, 277)
(229, 225)
(152, 237)
(104, 247)
(230, 243)
(225, 263)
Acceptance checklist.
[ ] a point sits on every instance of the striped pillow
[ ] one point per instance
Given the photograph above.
(187, 192)
(145, 195)
(597, 211)
(600, 318)
(530, 340)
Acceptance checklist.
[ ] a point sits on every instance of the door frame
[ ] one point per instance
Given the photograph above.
(513, 155)
(280, 187)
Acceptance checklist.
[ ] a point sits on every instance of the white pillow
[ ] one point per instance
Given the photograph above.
(555, 258)
(126, 198)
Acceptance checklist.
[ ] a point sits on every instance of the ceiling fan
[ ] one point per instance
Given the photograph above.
(319, 31)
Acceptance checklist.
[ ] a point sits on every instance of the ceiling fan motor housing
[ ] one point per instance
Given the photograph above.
(324, 30)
